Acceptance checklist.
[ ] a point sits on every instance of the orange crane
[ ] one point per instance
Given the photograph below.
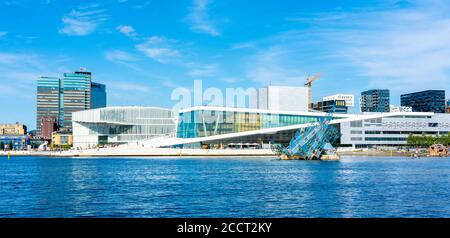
(308, 84)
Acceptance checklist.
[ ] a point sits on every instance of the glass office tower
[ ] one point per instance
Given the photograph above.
(60, 97)
(49, 100)
(77, 94)
(376, 100)
(425, 101)
(98, 99)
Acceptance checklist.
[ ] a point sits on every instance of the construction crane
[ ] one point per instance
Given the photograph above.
(308, 84)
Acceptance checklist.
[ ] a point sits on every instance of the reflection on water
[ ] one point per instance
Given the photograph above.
(224, 187)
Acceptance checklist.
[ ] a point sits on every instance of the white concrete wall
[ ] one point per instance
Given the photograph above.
(284, 98)
(82, 137)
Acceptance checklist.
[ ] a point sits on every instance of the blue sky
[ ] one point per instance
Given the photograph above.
(142, 50)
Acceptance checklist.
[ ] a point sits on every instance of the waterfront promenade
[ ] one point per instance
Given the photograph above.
(171, 152)
(103, 152)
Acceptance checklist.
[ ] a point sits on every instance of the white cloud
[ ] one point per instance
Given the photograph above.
(19, 72)
(401, 48)
(159, 49)
(230, 80)
(119, 56)
(127, 30)
(199, 19)
(410, 53)
(123, 58)
(203, 71)
(129, 87)
(274, 65)
(82, 21)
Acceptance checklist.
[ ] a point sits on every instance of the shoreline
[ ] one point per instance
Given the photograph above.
(169, 152)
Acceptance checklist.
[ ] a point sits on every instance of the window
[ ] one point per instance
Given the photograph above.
(356, 124)
(373, 132)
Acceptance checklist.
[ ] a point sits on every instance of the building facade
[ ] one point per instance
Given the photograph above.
(280, 98)
(13, 136)
(425, 101)
(99, 97)
(49, 100)
(348, 98)
(62, 139)
(13, 129)
(224, 127)
(335, 106)
(447, 104)
(49, 124)
(393, 130)
(60, 97)
(211, 121)
(376, 100)
(119, 125)
(393, 108)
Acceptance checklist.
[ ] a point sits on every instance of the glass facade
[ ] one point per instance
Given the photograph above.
(201, 123)
(49, 99)
(98, 99)
(77, 94)
(425, 101)
(327, 106)
(60, 97)
(376, 100)
(121, 125)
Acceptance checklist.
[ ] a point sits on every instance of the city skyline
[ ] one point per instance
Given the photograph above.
(143, 50)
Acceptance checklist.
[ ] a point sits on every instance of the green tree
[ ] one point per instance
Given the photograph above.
(10, 146)
(2, 145)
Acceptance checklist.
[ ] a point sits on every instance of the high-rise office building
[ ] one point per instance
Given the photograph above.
(375, 100)
(60, 97)
(425, 101)
(98, 99)
(49, 99)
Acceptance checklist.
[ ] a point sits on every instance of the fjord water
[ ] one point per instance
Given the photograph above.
(224, 187)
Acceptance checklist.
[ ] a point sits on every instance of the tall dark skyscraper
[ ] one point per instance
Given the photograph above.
(375, 100)
(59, 97)
(98, 99)
(425, 101)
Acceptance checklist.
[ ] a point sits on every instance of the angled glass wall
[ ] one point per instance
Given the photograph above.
(201, 123)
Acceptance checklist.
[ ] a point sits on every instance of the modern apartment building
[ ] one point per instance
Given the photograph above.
(425, 101)
(60, 97)
(375, 100)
